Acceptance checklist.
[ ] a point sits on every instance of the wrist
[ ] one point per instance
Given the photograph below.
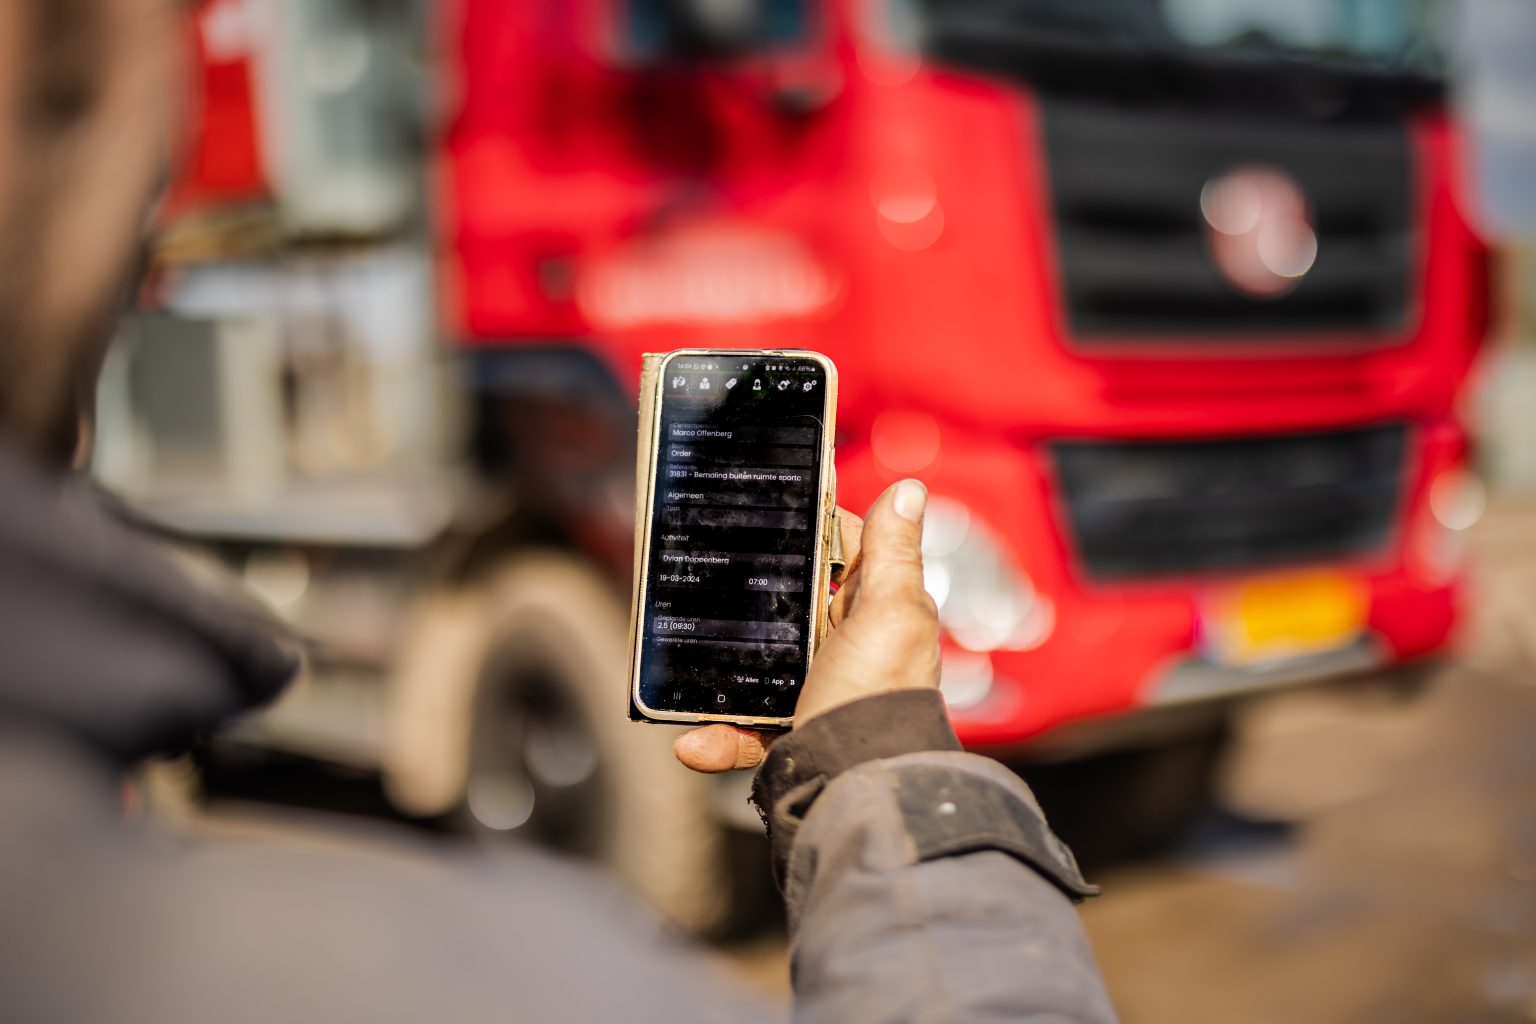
(844, 736)
(817, 707)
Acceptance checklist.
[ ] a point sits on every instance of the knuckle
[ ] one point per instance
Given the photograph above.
(910, 609)
(924, 606)
(749, 750)
(906, 553)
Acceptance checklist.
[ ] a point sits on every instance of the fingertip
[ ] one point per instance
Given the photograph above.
(891, 554)
(720, 748)
(710, 750)
(909, 498)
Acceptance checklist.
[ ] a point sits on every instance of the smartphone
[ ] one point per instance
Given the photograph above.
(735, 533)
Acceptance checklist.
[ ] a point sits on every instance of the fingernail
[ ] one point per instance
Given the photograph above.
(910, 500)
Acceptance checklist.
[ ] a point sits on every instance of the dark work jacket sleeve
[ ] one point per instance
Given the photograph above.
(923, 883)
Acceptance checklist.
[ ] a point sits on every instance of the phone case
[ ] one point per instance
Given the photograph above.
(830, 557)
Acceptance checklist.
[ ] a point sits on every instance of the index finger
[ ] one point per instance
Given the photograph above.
(718, 748)
(852, 528)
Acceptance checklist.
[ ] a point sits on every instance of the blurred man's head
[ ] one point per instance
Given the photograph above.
(87, 94)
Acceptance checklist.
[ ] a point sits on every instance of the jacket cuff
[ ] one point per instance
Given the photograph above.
(952, 809)
(869, 729)
(947, 808)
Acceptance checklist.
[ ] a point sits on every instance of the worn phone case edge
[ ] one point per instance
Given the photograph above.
(828, 548)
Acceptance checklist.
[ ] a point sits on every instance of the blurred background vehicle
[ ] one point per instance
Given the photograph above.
(1173, 306)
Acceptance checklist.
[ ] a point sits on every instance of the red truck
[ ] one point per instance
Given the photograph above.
(1172, 306)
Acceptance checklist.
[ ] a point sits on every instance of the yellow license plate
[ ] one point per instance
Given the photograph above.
(1275, 619)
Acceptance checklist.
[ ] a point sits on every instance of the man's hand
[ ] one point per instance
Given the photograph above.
(885, 630)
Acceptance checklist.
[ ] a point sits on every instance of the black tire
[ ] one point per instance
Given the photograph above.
(1133, 803)
(553, 757)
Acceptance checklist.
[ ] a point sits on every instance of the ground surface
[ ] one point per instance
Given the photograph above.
(1404, 890)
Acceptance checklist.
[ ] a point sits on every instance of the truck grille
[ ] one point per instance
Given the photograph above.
(1131, 239)
(1143, 510)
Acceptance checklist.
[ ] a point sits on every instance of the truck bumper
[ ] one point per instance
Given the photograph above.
(1119, 650)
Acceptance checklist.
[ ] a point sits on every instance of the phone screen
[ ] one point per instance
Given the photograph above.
(730, 591)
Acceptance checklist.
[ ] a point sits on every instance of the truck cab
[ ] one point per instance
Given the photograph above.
(1172, 306)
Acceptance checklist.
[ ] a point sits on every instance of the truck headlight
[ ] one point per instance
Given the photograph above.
(985, 603)
(1457, 500)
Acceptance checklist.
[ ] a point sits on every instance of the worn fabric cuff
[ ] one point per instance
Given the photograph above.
(952, 809)
(947, 809)
(870, 729)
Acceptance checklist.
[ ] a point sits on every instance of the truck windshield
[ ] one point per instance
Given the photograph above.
(1386, 34)
(657, 29)
(1387, 37)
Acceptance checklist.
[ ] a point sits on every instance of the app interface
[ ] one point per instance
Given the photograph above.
(729, 592)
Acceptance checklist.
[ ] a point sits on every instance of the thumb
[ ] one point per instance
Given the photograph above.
(891, 553)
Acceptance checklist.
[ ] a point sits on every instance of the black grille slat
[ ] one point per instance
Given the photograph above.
(1145, 510)
(1131, 240)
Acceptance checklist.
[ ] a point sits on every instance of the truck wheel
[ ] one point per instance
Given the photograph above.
(1133, 803)
(546, 751)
